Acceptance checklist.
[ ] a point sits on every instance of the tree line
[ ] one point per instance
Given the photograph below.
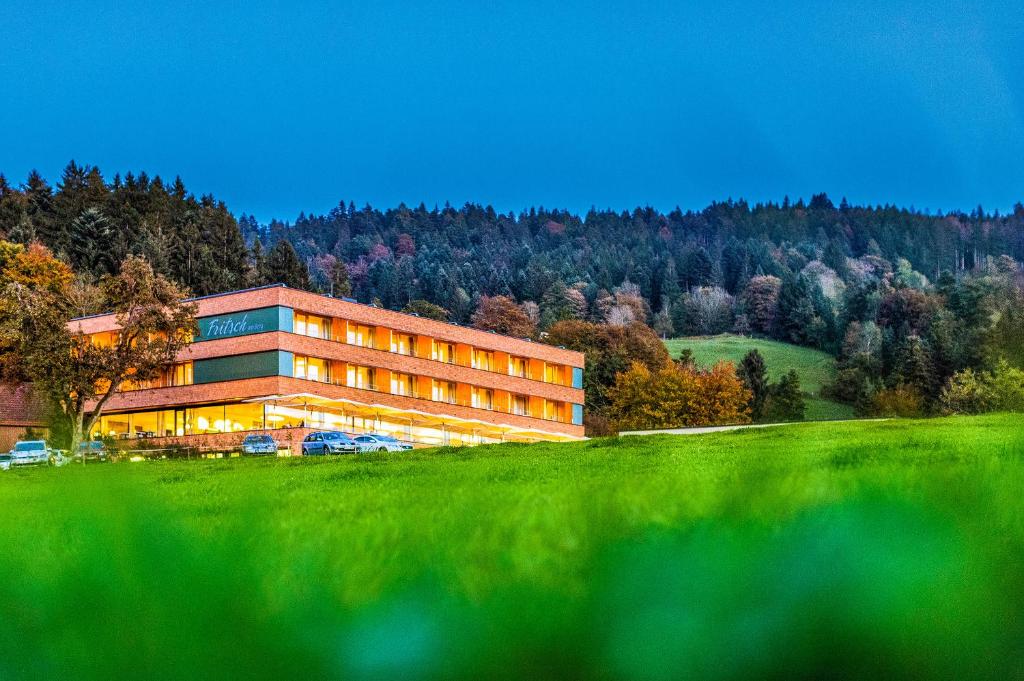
(904, 299)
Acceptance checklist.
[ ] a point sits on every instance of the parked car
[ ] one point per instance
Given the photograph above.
(32, 453)
(5, 461)
(381, 443)
(328, 442)
(94, 450)
(258, 445)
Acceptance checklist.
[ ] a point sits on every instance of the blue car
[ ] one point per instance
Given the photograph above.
(328, 442)
(258, 445)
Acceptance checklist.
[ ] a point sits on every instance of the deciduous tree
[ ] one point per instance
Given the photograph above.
(77, 374)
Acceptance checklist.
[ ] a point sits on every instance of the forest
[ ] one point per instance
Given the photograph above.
(906, 300)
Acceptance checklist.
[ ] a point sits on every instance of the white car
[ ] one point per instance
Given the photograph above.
(380, 443)
(31, 453)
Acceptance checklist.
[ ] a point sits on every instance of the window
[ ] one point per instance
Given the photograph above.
(311, 368)
(360, 335)
(517, 366)
(312, 325)
(401, 384)
(521, 405)
(552, 412)
(403, 344)
(553, 373)
(361, 377)
(179, 374)
(483, 398)
(443, 352)
(483, 359)
(443, 391)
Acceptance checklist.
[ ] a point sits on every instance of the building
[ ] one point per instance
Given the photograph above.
(22, 415)
(288, 361)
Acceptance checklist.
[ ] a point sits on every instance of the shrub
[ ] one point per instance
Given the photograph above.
(902, 400)
(968, 392)
(965, 393)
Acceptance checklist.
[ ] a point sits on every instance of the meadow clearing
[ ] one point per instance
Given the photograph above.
(872, 549)
(815, 368)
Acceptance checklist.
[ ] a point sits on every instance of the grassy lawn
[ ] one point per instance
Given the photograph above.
(815, 368)
(855, 549)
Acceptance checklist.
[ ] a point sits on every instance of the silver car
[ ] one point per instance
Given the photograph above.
(381, 443)
(31, 453)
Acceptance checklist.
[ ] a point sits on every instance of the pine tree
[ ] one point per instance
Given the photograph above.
(40, 212)
(257, 270)
(12, 209)
(795, 318)
(754, 374)
(785, 400)
(284, 267)
(91, 243)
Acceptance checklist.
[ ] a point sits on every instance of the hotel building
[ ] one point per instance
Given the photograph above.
(288, 362)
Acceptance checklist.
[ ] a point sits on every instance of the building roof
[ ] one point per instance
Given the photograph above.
(20, 406)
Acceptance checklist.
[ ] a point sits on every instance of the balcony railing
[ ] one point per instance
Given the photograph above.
(428, 397)
(451, 360)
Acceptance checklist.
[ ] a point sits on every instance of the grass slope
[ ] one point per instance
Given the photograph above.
(872, 550)
(815, 368)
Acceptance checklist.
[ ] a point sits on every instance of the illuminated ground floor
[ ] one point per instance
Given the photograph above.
(220, 425)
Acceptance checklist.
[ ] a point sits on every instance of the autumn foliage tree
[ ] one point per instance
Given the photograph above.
(609, 350)
(678, 395)
(75, 373)
(503, 315)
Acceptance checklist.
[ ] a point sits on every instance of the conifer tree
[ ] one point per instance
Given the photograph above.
(284, 267)
(754, 374)
(90, 246)
(785, 400)
(39, 209)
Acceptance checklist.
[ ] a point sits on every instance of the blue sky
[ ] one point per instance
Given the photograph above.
(276, 109)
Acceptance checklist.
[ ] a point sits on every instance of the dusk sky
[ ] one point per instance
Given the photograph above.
(281, 107)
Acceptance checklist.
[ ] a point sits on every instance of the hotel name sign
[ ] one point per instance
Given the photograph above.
(238, 324)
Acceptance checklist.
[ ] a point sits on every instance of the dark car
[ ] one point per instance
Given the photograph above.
(92, 451)
(258, 445)
(328, 442)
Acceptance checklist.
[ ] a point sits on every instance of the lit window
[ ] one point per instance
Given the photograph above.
(553, 373)
(311, 368)
(552, 411)
(401, 384)
(483, 359)
(443, 391)
(180, 374)
(521, 405)
(403, 344)
(443, 352)
(360, 377)
(483, 398)
(311, 325)
(360, 335)
(517, 366)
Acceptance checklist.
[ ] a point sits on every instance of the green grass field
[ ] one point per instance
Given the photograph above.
(870, 550)
(814, 367)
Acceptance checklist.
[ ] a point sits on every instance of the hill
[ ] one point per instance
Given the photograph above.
(814, 367)
(781, 552)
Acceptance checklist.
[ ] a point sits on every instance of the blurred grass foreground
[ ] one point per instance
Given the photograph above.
(857, 550)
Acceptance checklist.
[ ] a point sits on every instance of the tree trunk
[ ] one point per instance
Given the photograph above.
(76, 434)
